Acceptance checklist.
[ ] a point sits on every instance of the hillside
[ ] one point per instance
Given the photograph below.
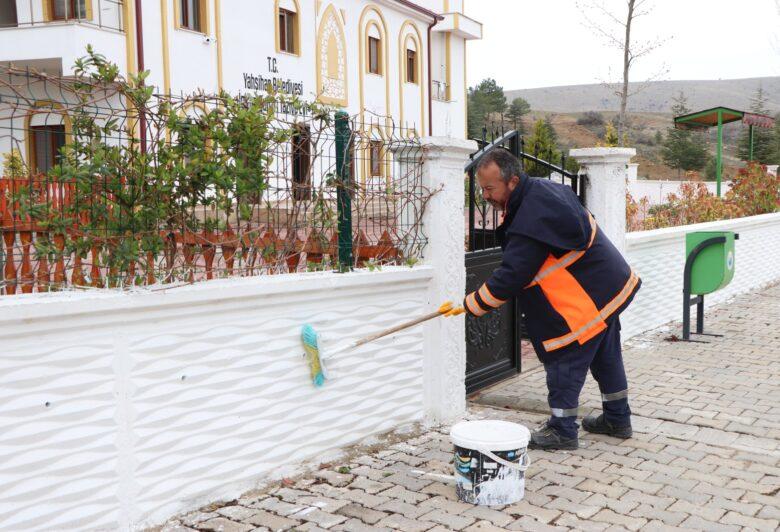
(642, 134)
(655, 97)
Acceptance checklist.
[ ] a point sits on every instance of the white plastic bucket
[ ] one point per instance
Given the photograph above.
(490, 461)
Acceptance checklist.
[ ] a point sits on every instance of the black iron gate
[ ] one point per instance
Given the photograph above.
(493, 341)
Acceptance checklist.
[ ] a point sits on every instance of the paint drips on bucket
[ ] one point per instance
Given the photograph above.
(490, 461)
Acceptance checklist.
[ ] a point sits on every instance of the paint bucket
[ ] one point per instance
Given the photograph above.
(490, 461)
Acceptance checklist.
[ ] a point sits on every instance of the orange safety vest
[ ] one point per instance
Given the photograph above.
(567, 296)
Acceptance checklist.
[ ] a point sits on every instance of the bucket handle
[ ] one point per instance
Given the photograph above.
(519, 466)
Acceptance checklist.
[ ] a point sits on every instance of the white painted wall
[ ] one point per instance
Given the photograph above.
(656, 191)
(121, 410)
(658, 256)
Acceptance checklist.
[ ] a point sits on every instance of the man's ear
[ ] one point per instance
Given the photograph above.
(513, 182)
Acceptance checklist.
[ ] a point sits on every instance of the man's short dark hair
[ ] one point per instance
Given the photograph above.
(508, 164)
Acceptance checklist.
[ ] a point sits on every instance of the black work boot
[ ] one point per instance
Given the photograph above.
(599, 425)
(546, 438)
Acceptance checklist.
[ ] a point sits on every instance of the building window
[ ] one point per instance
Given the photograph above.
(68, 9)
(8, 13)
(411, 66)
(301, 163)
(191, 13)
(287, 25)
(47, 141)
(374, 56)
(375, 158)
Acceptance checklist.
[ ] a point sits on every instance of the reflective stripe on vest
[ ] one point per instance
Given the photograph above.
(567, 296)
(597, 324)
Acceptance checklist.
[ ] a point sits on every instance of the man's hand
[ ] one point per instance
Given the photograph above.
(482, 301)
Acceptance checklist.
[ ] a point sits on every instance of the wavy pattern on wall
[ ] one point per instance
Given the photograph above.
(57, 444)
(166, 411)
(659, 258)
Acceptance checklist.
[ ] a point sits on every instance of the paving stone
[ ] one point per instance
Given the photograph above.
(399, 492)
(455, 522)
(366, 499)
(678, 493)
(408, 480)
(705, 512)
(399, 522)
(485, 513)
(618, 505)
(574, 523)
(655, 514)
(608, 516)
(484, 526)
(236, 512)
(358, 511)
(221, 524)
(334, 478)
(395, 506)
(742, 507)
(524, 508)
(355, 525)
(273, 504)
(531, 524)
(369, 486)
(176, 527)
(733, 518)
(319, 517)
(453, 507)
(697, 523)
(272, 521)
(594, 486)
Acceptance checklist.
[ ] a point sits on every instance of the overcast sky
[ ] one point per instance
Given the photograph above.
(539, 43)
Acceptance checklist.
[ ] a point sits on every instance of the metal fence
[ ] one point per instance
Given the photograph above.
(103, 188)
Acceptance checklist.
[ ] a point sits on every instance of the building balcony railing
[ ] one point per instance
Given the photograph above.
(17, 14)
(439, 91)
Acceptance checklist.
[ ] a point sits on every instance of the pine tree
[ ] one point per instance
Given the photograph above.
(610, 135)
(684, 149)
(484, 99)
(517, 110)
(541, 144)
(763, 151)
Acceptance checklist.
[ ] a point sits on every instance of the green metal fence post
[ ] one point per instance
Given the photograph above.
(343, 199)
(719, 166)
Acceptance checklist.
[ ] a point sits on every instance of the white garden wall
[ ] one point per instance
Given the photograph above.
(659, 257)
(120, 410)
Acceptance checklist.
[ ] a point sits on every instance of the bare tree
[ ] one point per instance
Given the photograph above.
(616, 31)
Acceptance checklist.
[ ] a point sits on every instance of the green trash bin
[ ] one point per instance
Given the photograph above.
(713, 267)
(709, 266)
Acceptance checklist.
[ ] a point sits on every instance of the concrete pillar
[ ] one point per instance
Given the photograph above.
(607, 171)
(444, 367)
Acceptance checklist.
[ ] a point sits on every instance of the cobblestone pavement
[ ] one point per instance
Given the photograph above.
(705, 453)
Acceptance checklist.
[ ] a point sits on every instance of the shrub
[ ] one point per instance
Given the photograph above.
(754, 191)
(591, 119)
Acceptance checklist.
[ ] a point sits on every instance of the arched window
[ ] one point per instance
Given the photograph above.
(46, 132)
(192, 15)
(374, 47)
(411, 61)
(287, 26)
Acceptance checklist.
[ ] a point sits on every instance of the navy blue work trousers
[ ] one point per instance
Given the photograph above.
(566, 376)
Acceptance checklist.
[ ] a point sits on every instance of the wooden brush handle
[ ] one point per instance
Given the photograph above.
(397, 328)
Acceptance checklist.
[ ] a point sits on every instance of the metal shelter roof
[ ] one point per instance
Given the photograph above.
(709, 118)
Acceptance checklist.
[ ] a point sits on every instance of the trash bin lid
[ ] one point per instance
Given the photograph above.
(490, 434)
